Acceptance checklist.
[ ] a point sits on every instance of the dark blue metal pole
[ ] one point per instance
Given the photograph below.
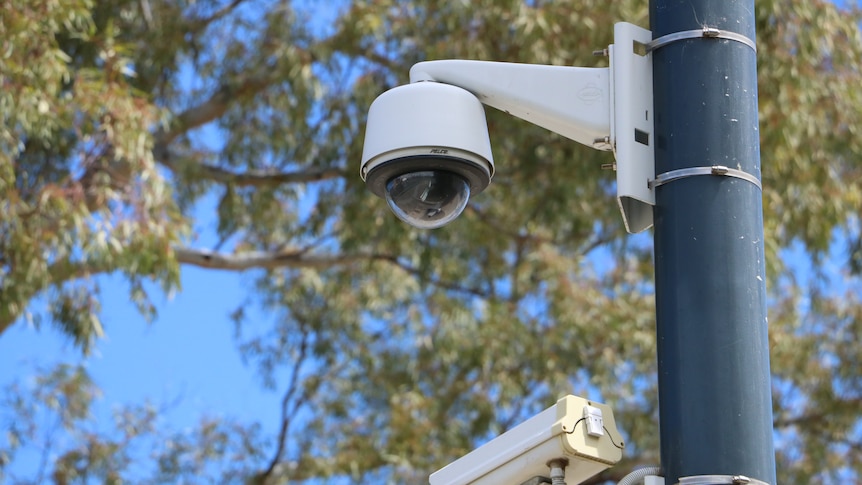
(713, 350)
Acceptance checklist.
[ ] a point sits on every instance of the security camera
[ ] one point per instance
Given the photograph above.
(426, 143)
(577, 433)
(427, 151)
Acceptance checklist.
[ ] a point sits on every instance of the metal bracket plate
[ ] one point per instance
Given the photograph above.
(632, 124)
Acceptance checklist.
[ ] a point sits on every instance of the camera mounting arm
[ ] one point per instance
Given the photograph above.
(605, 108)
(572, 101)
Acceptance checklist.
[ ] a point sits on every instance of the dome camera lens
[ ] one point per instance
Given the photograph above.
(427, 199)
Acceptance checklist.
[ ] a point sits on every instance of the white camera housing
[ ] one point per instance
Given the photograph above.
(579, 432)
(427, 128)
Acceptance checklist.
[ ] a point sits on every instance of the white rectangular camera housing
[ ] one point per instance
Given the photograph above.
(560, 432)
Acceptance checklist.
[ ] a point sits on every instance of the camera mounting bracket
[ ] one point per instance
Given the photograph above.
(632, 124)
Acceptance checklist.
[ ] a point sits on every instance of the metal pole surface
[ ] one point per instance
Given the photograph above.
(713, 351)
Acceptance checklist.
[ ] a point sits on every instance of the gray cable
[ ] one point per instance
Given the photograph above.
(637, 476)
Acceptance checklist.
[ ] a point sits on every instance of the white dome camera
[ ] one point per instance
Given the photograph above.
(427, 151)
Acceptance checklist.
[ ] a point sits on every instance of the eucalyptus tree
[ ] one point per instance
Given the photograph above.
(402, 349)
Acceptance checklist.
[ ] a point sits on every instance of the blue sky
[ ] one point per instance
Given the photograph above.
(186, 359)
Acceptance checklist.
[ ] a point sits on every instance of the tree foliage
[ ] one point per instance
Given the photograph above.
(402, 349)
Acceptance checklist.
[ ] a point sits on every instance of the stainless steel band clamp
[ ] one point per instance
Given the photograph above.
(693, 171)
(707, 32)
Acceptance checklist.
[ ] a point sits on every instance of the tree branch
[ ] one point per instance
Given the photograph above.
(211, 109)
(257, 178)
(286, 411)
(267, 260)
(224, 11)
(302, 258)
(65, 271)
